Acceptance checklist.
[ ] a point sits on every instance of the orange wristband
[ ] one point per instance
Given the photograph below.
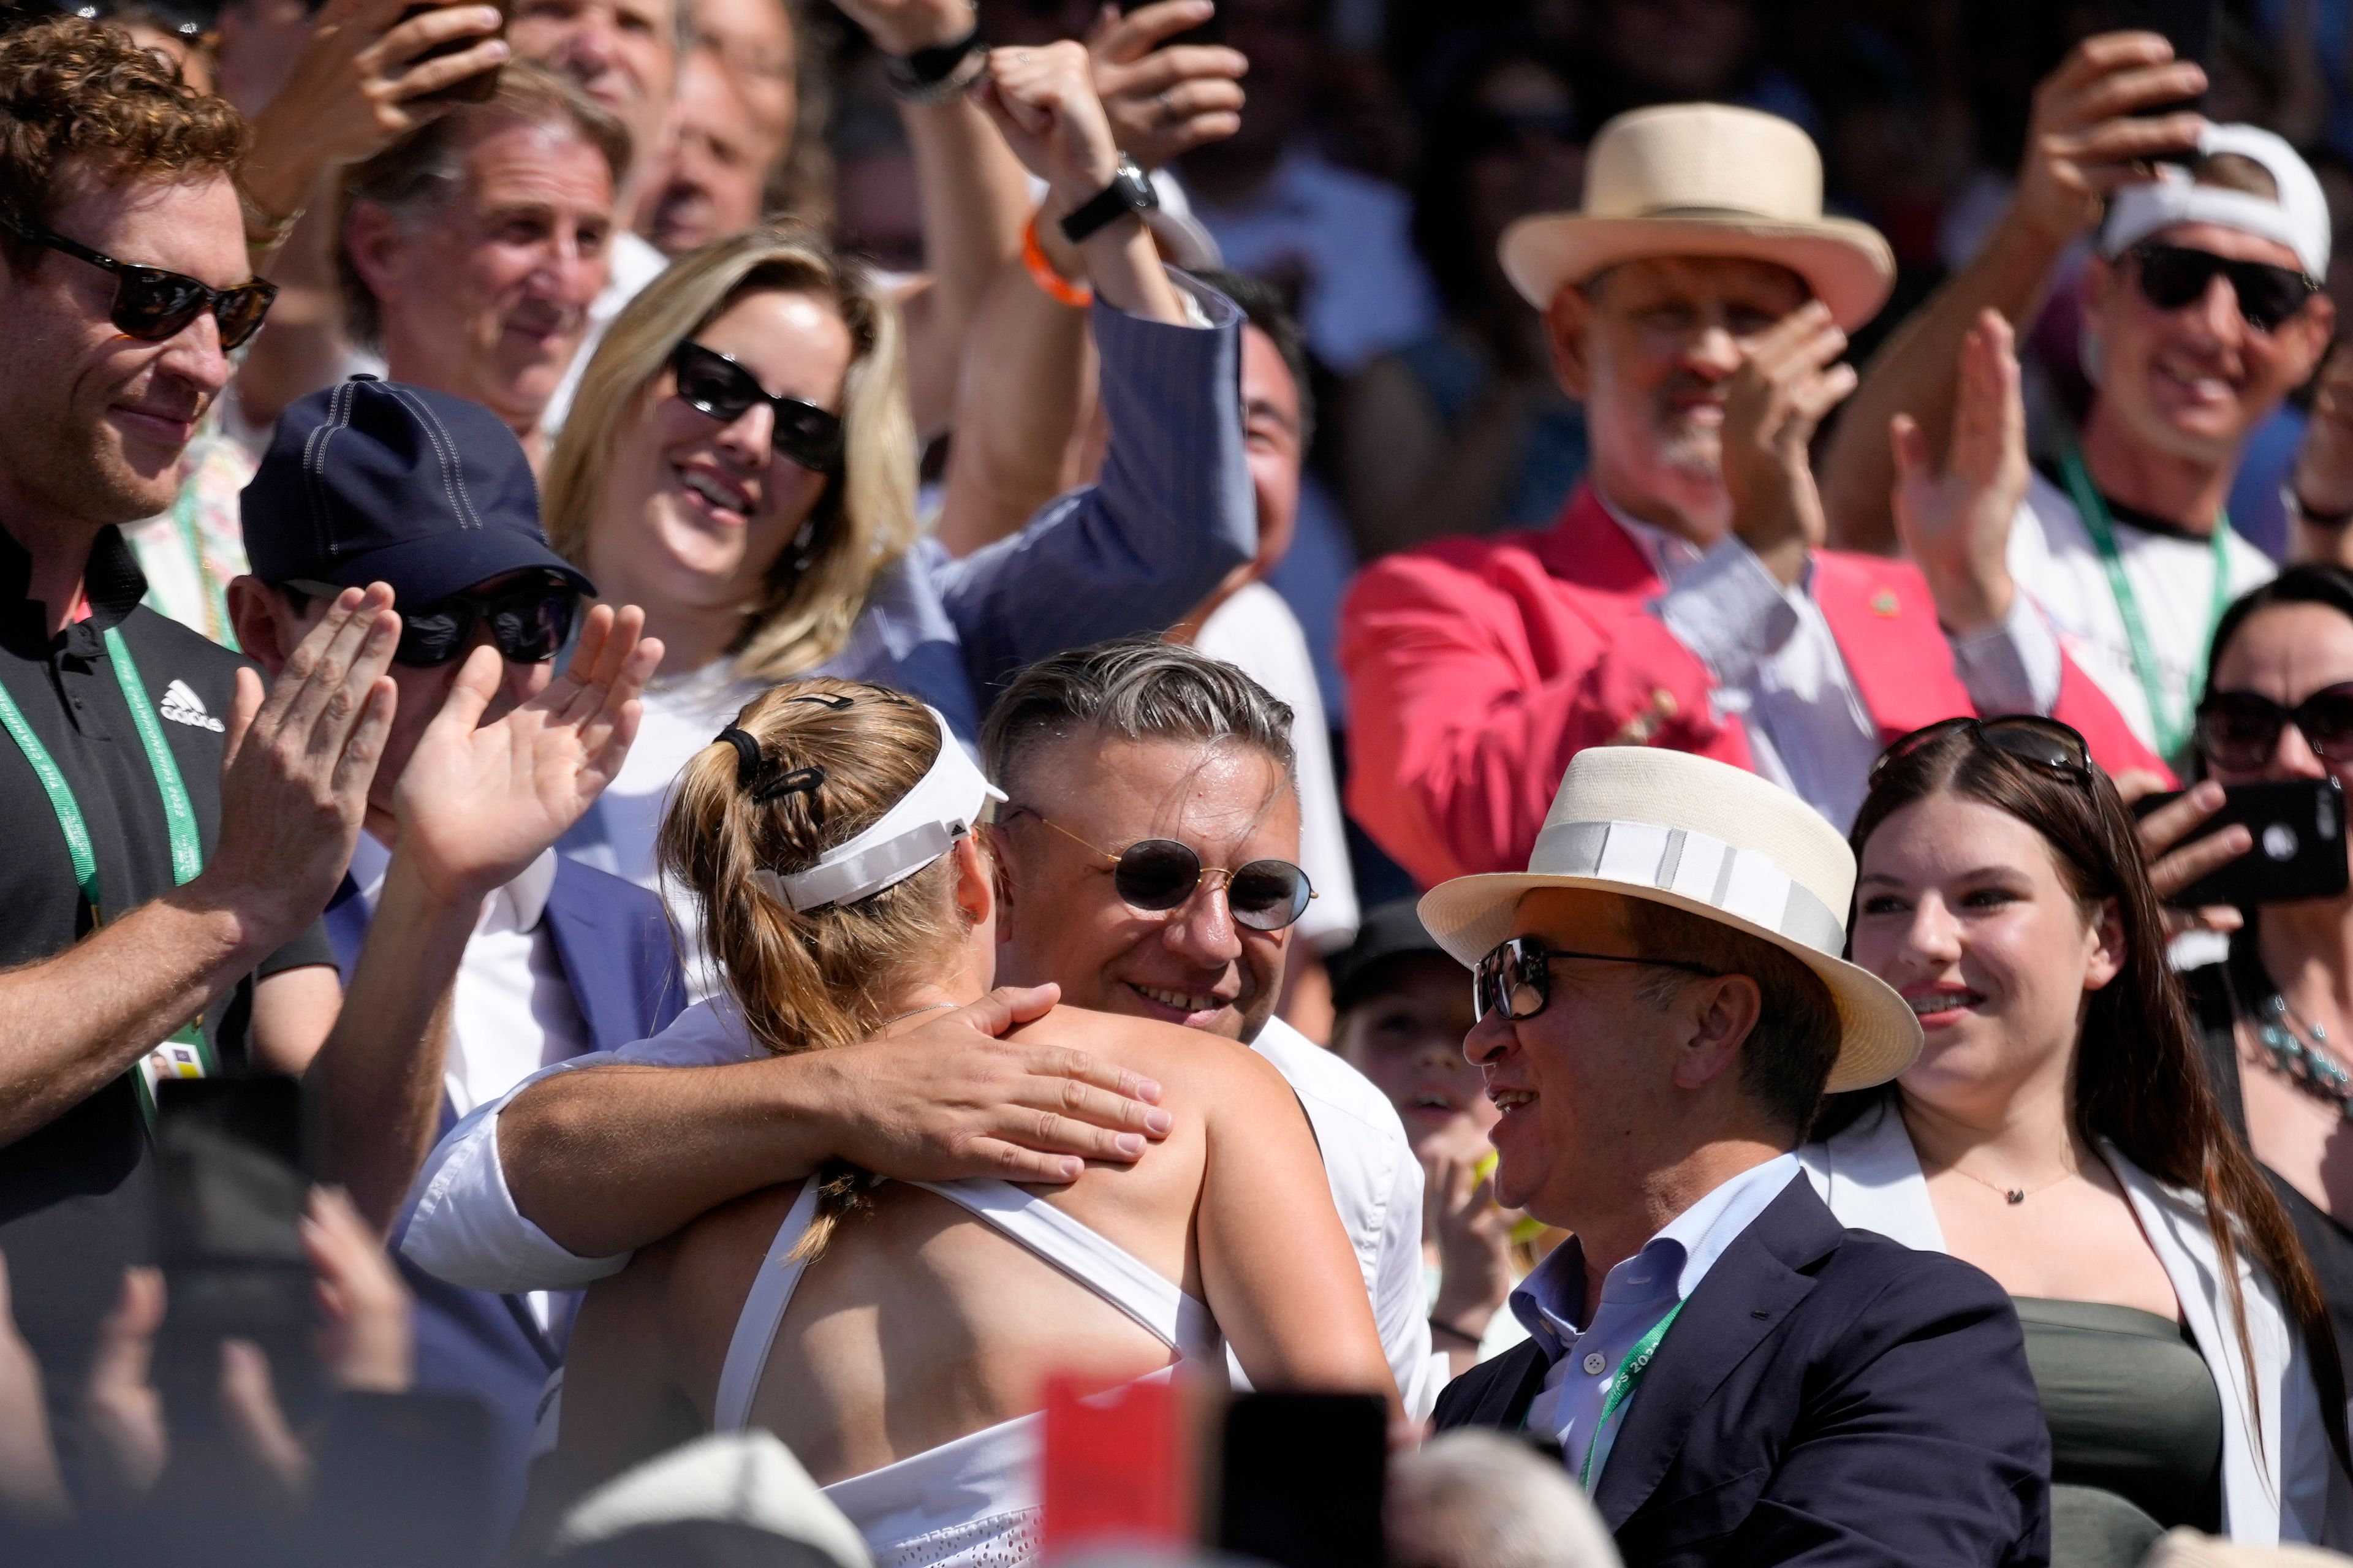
(1077, 296)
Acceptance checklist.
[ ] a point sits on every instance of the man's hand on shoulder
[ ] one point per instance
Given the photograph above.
(952, 1100)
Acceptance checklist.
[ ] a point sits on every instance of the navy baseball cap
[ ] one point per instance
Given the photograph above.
(1388, 934)
(380, 482)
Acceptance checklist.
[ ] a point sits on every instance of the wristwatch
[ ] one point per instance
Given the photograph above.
(1130, 191)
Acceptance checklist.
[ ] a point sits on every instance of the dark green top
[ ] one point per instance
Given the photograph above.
(2135, 1429)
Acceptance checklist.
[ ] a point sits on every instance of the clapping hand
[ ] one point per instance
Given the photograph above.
(1955, 523)
(478, 803)
(1163, 102)
(1043, 100)
(1790, 379)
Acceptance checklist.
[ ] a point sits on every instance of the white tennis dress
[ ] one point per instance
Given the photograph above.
(972, 1502)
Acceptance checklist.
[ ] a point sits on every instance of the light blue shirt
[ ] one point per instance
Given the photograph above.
(1635, 1295)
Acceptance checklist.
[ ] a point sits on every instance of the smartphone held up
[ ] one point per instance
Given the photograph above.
(479, 88)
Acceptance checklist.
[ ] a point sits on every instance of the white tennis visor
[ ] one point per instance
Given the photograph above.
(924, 825)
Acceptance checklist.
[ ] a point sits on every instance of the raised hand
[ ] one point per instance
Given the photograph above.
(296, 771)
(478, 802)
(905, 26)
(1956, 523)
(1788, 382)
(1043, 100)
(357, 85)
(2086, 138)
(32, 1489)
(367, 1340)
(1163, 102)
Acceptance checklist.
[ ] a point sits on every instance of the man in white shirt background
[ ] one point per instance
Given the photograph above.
(1145, 781)
(2202, 312)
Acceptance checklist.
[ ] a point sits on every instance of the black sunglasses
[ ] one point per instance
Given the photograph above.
(2240, 729)
(713, 385)
(1158, 874)
(150, 305)
(2173, 275)
(2042, 742)
(528, 622)
(1516, 979)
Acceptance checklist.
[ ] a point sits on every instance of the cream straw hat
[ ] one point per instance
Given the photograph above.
(1716, 841)
(1704, 179)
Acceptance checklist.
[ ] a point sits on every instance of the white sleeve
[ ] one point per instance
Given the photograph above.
(1730, 610)
(1401, 1295)
(2014, 667)
(463, 1224)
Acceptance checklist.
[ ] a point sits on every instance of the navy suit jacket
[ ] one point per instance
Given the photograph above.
(1827, 1397)
(612, 939)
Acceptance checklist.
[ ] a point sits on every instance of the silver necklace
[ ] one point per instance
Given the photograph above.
(926, 1007)
(2309, 1065)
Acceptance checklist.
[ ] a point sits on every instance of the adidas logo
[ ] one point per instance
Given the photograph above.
(181, 705)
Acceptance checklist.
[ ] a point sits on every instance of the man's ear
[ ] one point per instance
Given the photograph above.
(1565, 325)
(1719, 1013)
(264, 629)
(999, 863)
(372, 241)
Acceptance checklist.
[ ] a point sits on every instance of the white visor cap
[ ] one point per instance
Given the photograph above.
(2298, 220)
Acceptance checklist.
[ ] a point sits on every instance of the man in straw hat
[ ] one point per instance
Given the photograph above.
(1734, 1377)
(1697, 306)
(2202, 310)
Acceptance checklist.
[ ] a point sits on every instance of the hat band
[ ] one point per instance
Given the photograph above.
(1742, 883)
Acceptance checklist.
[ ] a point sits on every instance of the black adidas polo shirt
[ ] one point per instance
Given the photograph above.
(75, 1196)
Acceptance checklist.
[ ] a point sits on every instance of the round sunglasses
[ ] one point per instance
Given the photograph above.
(2045, 743)
(152, 304)
(2240, 729)
(715, 385)
(2173, 275)
(1516, 978)
(529, 622)
(1158, 874)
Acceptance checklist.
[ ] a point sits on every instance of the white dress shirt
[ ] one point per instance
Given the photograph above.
(1777, 667)
(1635, 1295)
(465, 1226)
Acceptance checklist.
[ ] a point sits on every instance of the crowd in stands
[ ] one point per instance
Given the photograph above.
(951, 783)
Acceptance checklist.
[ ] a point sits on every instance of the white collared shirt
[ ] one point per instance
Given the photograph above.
(465, 1227)
(513, 1011)
(1635, 1295)
(1778, 669)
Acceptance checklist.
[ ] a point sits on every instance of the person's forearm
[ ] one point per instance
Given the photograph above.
(1022, 385)
(78, 1020)
(974, 198)
(614, 1158)
(1912, 374)
(378, 1080)
(1126, 270)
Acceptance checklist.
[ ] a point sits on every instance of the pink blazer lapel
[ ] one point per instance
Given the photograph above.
(1884, 623)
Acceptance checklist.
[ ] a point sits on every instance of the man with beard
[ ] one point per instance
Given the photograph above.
(1698, 307)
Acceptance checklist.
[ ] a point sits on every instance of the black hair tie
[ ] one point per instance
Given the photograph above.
(748, 758)
(824, 700)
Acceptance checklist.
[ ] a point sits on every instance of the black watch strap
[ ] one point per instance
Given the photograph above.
(929, 75)
(1130, 191)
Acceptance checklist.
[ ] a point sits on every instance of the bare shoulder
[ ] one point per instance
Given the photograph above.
(1203, 1069)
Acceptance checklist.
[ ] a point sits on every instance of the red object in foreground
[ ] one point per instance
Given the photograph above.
(1118, 1467)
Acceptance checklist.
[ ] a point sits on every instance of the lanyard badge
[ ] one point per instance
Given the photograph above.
(186, 1053)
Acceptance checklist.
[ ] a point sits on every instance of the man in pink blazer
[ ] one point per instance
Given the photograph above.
(1698, 307)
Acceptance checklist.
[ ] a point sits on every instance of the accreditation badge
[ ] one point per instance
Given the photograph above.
(186, 1053)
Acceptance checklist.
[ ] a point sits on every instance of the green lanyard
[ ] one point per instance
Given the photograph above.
(1622, 1387)
(2171, 727)
(186, 1053)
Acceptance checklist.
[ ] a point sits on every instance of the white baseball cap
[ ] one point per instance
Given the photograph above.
(2298, 220)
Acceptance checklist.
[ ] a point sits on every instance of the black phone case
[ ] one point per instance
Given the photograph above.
(2299, 832)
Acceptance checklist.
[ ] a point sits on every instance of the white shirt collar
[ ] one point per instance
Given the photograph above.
(1668, 554)
(520, 905)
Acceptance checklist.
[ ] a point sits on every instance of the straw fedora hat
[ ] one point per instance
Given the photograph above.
(1716, 841)
(1704, 179)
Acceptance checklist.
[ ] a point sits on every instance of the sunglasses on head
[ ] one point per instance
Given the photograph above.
(2240, 729)
(528, 622)
(714, 386)
(2041, 742)
(1159, 874)
(1516, 978)
(2173, 275)
(150, 305)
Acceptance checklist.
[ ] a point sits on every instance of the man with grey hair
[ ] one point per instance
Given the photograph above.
(473, 247)
(1146, 865)
(1473, 1499)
